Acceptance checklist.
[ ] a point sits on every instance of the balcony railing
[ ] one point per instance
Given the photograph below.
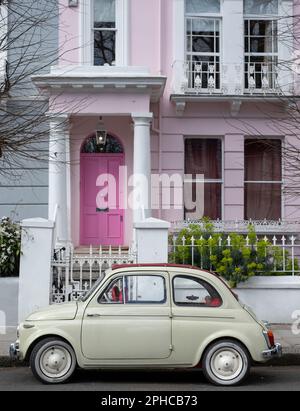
(210, 78)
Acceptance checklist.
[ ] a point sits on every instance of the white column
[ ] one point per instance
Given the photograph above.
(142, 164)
(233, 45)
(58, 187)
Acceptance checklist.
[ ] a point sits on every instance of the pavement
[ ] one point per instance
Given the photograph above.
(261, 379)
(283, 334)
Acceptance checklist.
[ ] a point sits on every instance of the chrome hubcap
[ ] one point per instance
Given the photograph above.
(227, 364)
(55, 362)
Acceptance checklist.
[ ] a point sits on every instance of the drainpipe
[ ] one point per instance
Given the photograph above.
(158, 131)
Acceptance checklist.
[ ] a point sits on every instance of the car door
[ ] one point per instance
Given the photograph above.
(198, 312)
(129, 319)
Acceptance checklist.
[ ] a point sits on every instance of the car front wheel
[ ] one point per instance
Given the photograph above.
(53, 361)
(226, 363)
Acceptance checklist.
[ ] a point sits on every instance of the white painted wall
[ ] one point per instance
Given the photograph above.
(35, 266)
(152, 241)
(273, 299)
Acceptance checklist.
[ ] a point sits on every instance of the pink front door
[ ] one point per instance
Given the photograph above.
(101, 225)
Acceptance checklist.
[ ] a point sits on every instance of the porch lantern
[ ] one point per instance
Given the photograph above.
(101, 134)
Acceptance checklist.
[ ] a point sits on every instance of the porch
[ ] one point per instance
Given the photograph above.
(79, 96)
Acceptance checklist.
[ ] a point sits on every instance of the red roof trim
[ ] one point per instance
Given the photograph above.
(163, 265)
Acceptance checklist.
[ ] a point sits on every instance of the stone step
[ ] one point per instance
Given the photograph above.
(105, 251)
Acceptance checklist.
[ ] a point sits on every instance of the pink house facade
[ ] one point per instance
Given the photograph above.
(190, 88)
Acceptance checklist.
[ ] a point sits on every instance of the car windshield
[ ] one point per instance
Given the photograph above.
(85, 296)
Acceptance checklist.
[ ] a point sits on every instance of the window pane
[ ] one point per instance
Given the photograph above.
(145, 289)
(261, 7)
(194, 292)
(262, 27)
(261, 45)
(263, 201)
(204, 156)
(104, 13)
(263, 160)
(258, 66)
(114, 293)
(104, 47)
(205, 27)
(212, 201)
(202, 6)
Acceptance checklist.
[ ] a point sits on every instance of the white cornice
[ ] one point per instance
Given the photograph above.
(102, 80)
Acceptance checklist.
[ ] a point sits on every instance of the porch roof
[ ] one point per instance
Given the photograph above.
(101, 80)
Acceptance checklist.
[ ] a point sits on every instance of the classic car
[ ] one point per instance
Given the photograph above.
(148, 316)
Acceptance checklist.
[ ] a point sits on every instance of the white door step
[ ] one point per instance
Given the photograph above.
(103, 250)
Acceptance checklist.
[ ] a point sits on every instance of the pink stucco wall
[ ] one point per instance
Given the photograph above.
(69, 51)
(151, 46)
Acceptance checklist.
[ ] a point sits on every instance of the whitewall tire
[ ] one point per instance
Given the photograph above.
(226, 363)
(53, 361)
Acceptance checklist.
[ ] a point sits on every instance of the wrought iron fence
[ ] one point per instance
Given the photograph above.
(73, 274)
(282, 252)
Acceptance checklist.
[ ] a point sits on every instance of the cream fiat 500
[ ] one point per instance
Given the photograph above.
(147, 316)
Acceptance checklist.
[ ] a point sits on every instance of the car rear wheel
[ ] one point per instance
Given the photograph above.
(53, 361)
(226, 363)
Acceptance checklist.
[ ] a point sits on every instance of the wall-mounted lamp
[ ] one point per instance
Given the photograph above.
(101, 134)
(73, 3)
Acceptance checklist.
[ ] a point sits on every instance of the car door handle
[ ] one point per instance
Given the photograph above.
(93, 315)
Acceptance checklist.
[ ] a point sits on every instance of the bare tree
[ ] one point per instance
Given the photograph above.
(28, 46)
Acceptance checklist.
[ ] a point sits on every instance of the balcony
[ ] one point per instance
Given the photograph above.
(207, 81)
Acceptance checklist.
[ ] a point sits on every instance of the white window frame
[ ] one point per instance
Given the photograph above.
(281, 182)
(231, 57)
(87, 33)
(274, 56)
(217, 55)
(213, 181)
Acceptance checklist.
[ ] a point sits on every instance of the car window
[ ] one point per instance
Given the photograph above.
(191, 291)
(113, 294)
(145, 289)
(135, 289)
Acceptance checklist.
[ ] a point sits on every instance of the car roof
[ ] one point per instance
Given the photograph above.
(161, 265)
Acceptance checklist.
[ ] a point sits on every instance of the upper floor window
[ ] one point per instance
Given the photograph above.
(203, 31)
(104, 28)
(261, 44)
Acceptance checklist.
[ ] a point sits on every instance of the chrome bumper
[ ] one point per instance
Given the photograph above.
(14, 351)
(275, 352)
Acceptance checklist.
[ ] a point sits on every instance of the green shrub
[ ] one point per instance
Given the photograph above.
(235, 260)
(10, 248)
